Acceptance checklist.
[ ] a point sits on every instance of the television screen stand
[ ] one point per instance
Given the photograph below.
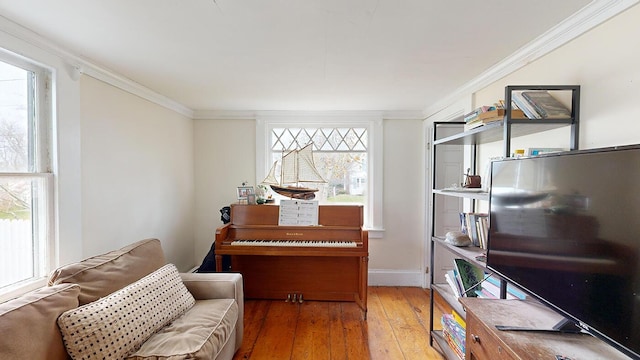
(563, 326)
(484, 342)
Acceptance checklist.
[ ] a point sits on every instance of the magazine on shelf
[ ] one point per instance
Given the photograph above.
(524, 105)
(469, 275)
(452, 280)
(546, 105)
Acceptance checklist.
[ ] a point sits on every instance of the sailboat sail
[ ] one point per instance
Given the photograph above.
(298, 166)
(288, 168)
(271, 177)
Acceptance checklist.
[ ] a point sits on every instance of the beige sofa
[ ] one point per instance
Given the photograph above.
(127, 303)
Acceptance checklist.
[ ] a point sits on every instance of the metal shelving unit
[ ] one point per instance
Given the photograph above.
(504, 131)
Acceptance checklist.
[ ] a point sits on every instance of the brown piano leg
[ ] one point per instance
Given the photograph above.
(364, 284)
(218, 263)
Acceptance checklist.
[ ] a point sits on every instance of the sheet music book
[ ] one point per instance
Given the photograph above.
(298, 213)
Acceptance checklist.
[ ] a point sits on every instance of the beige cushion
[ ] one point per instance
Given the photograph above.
(101, 275)
(201, 333)
(116, 325)
(28, 324)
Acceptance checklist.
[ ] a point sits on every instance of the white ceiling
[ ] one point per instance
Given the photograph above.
(252, 55)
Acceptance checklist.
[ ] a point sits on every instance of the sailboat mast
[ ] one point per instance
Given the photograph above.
(282, 169)
(297, 167)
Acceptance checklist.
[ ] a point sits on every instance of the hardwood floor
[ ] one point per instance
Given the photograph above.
(397, 327)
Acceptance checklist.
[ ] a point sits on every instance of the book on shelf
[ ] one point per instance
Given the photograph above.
(459, 319)
(463, 223)
(473, 115)
(452, 345)
(475, 225)
(492, 116)
(452, 279)
(454, 334)
(522, 104)
(490, 289)
(546, 105)
(469, 275)
(483, 230)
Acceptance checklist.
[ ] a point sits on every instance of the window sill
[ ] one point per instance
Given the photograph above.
(13, 292)
(376, 233)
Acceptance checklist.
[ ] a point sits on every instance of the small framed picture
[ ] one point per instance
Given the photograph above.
(251, 199)
(244, 192)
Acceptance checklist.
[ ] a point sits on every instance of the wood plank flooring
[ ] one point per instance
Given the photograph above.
(397, 327)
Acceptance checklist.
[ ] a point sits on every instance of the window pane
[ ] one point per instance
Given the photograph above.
(21, 234)
(346, 175)
(14, 118)
(340, 155)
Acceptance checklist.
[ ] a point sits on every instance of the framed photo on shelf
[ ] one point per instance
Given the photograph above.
(244, 192)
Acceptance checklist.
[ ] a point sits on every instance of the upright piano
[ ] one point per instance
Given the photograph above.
(297, 263)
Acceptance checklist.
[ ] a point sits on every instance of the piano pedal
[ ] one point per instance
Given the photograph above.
(288, 298)
(300, 299)
(294, 298)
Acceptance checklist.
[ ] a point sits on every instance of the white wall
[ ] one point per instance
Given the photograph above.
(137, 173)
(398, 258)
(224, 157)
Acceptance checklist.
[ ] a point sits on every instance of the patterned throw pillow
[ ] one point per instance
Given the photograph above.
(118, 324)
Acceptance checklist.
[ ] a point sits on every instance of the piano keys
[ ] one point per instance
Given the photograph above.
(290, 243)
(325, 262)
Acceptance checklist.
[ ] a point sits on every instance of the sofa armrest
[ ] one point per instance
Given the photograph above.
(205, 286)
(214, 285)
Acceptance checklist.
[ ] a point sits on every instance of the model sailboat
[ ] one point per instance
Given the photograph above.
(297, 167)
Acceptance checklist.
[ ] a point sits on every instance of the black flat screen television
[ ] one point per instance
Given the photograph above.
(565, 227)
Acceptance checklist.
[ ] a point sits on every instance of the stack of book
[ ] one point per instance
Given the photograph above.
(476, 226)
(465, 279)
(454, 333)
(526, 104)
(468, 280)
(474, 118)
(490, 289)
(491, 116)
(540, 105)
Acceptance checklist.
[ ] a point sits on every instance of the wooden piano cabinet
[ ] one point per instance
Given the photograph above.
(295, 268)
(485, 342)
(313, 277)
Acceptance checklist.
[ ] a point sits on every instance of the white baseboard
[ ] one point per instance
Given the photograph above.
(396, 278)
(387, 277)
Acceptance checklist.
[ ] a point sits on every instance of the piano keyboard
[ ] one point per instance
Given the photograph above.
(285, 243)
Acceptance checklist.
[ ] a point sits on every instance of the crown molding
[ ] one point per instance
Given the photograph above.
(250, 115)
(134, 88)
(224, 115)
(590, 16)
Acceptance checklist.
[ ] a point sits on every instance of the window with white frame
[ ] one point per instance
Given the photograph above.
(346, 151)
(340, 155)
(26, 179)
